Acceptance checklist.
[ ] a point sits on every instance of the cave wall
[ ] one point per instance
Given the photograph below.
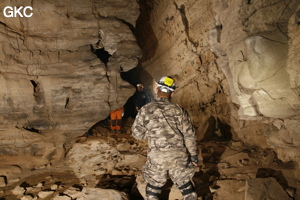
(236, 64)
(54, 86)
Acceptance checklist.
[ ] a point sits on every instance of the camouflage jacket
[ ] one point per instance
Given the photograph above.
(166, 126)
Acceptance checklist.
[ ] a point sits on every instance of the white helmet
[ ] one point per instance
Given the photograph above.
(166, 84)
(139, 85)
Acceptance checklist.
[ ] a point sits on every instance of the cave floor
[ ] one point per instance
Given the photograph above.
(222, 161)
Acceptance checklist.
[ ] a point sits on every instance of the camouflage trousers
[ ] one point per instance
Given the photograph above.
(162, 165)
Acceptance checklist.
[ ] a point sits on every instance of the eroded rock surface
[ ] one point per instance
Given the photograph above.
(100, 156)
(235, 64)
(60, 72)
(109, 166)
(236, 67)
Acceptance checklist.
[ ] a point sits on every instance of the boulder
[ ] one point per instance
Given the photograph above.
(265, 188)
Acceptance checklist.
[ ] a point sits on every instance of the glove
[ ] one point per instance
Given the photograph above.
(194, 159)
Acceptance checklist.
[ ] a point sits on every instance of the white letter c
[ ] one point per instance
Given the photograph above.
(24, 12)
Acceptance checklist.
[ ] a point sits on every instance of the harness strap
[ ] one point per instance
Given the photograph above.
(185, 185)
(152, 193)
(153, 190)
(187, 188)
(153, 186)
(187, 191)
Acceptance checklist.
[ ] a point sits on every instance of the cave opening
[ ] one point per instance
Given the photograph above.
(217, 131)
(103, 55)
(132, 77)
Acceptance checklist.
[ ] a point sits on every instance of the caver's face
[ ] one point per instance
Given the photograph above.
(140, 89)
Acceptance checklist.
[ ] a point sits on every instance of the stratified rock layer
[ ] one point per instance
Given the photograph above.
(236, 65)
(60, 70)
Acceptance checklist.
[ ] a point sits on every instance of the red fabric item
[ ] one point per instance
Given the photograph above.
(116, 119)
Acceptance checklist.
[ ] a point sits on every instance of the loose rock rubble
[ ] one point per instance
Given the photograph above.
(233, 168)
(109, 166)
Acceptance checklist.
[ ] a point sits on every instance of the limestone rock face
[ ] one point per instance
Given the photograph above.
(267, 188)
(99, 156)
(257, 56)
(60, 69)
(258, 67)
(236, 65)
(82, 193)
(94, 193)
(228, 189)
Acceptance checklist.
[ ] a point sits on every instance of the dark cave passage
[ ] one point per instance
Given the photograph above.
(132, 76)
(217, 131)
(102, 54)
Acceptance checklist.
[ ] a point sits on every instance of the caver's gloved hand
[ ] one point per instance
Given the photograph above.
(194, 159)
